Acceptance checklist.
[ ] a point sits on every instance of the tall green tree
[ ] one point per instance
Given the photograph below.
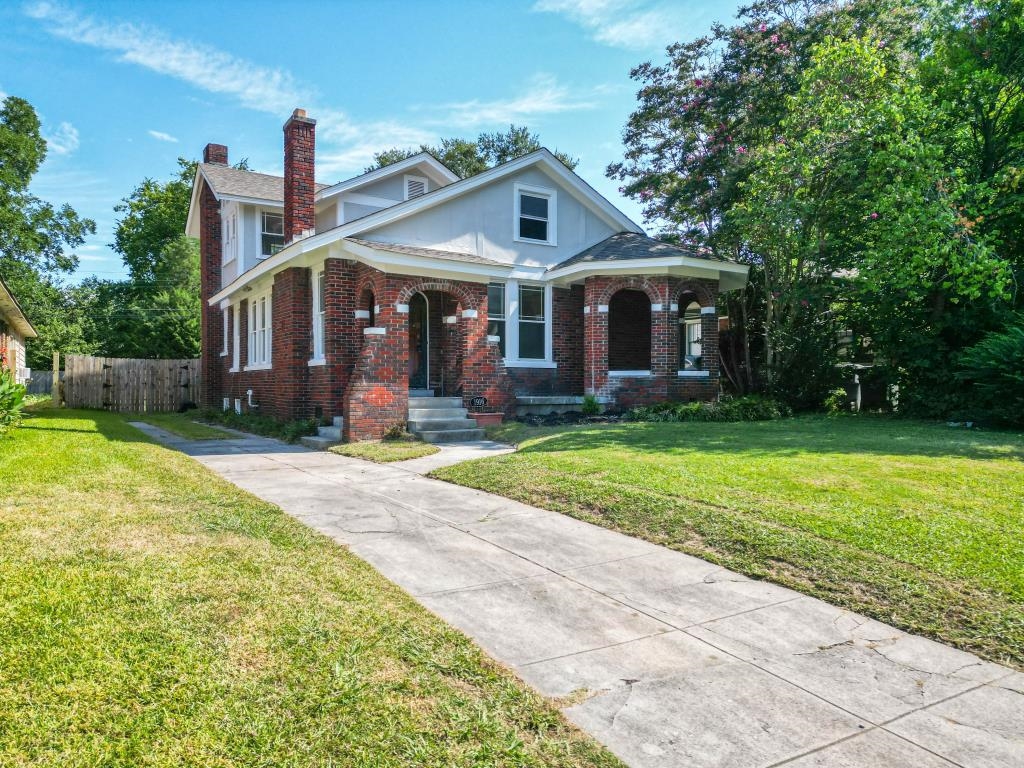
(38, 239)
(467, 157)
(155, 312)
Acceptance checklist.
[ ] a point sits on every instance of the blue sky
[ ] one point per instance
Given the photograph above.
(123, 89)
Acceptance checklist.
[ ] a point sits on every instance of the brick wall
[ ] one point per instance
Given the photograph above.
(211, 318)
(663, 293)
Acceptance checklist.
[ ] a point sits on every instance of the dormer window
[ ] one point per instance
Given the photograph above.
(272, 233)
(534, 215)
(415, 186)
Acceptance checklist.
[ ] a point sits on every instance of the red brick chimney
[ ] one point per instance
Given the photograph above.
(299, 185)
(215, 153)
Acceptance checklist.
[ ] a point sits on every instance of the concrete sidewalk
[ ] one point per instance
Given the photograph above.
(668, 660)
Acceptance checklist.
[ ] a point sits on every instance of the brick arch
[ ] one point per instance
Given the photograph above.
(700, 291)
(444, 286)
(631, 284)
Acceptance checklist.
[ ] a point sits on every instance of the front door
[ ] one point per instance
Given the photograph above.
(419, 342)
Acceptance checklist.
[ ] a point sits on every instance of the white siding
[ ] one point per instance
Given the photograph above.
(482, 221)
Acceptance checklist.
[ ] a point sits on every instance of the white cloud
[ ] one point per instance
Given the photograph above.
(632, 24)
(544, 95)
(255, 87)
(161, 136)
(63, 141)
(344, 144)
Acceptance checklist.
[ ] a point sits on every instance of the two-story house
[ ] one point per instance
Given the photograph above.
(341, 301)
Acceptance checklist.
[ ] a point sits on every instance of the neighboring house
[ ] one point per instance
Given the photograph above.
(14, 329)
(341, 300)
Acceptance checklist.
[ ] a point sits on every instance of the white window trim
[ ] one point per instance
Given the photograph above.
(319, 329)
(628, 374)
(512, 359)
(405, 185)
(261, 364)
(259, 223)
(236, 330)
(225, 314)
(691, 374)
(552, 197)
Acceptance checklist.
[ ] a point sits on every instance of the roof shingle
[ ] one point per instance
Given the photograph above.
(238, 183)
(625, 246)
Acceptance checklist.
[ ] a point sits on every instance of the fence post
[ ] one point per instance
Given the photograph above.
(55, 390)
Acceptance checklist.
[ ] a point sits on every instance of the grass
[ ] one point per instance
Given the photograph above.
(182, 424)
(385, 451)
(153, 614)
(918, 525)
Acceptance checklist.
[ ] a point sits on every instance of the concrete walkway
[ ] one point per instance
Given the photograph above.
(454, 453)
(666, 659)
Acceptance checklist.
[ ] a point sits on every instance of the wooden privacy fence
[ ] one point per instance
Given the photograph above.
(129, 385)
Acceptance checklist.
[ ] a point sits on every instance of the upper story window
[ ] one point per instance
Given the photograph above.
(534, 215)
(272, 232)
(496, 313)
(229, 251)
(415, 186)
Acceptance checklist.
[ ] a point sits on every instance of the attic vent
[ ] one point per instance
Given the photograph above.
(415, 186)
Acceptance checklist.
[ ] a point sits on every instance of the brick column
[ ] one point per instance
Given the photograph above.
(595, 337)
(483, 369)
(299, 185)
(377, 395)
(292, 342)
(211, 318)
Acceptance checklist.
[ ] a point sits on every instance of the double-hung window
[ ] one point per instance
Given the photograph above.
(271, 233)
(518, 314)
(496, 313)
(319, 315)
(532, 323)
(690, 338)
(259, 331)
(236, 332)
(534, 215)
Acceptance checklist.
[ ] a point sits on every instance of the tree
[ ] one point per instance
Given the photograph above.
(155, 312)
(857, 188)
(38, 239)
(468, 158)
(154, 215)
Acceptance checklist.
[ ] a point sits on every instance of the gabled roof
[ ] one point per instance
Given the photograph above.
(440, 171)
(625, 246)
(11, 311)
(543, 158)
(226, 181)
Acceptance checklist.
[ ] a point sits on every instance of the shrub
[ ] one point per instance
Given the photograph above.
(397, 431)
(590, 406)
(289, 431)
(994, 368)
(12, 398)
(837, 401)
(748, 408)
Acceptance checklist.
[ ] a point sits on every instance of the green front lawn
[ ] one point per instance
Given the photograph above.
(918, 525)
(153, 614)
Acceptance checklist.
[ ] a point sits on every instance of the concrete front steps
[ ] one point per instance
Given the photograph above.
(440, 419)
(325, 437)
